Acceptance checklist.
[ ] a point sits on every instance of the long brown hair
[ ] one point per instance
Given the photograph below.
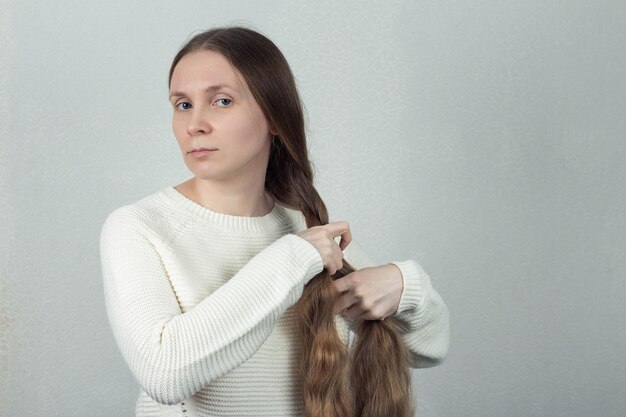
(374, 379)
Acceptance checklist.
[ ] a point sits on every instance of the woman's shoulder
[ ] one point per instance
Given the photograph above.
(295, 216)
(152, 212)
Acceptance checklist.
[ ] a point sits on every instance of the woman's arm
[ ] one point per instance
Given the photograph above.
(420, 306)
(173, 355)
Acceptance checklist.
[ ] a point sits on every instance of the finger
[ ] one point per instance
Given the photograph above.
(338, 266)
(343, 240)
(346, 238)
(341, 304)
(345, 302)
(348, 303)
(353, 312)
(361, 316)
(337, 263)
(338, 258)
(344, 283)
(340, 228)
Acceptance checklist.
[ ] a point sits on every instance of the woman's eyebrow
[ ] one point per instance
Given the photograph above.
(209, 89)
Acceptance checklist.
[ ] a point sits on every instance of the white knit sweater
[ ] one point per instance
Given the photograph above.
(200, 305)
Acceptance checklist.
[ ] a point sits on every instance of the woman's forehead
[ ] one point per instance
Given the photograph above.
(206, 69)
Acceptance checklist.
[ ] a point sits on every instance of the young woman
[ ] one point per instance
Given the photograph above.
(231, 293)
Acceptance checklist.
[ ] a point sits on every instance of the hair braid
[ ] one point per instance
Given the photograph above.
(377, 380)
(380, 370)
(324, 355)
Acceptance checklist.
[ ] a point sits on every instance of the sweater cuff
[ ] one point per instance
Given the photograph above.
(308, 255)
(413, 292)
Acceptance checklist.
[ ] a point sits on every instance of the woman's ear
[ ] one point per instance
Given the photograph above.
(272, 127)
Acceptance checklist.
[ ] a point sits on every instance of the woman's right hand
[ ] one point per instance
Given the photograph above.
(323, 239)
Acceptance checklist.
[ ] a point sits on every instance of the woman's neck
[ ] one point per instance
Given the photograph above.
(245, 201)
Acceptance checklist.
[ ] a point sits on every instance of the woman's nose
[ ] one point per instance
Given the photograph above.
(198, 122)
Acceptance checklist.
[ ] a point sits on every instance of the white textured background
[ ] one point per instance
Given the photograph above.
(484, 139)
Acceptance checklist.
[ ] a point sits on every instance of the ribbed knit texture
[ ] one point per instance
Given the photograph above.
(201, 306)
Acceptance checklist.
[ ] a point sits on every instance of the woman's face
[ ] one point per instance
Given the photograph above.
(214, 109)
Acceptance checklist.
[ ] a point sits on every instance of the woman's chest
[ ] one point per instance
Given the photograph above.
(202, 261)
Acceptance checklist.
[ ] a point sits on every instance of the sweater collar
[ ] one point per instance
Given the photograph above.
(270, 221)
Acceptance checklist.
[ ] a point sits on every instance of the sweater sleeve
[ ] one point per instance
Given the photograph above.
(421, 307)
(173, 354)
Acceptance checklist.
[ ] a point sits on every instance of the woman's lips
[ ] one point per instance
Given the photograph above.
(200, 153)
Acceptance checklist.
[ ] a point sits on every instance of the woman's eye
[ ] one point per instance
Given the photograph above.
(183, 105)
(221, 102)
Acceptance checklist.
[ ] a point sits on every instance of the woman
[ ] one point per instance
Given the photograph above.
(219, 289)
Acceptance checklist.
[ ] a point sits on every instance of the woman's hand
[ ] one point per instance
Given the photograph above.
(371, 293)
(323, 238)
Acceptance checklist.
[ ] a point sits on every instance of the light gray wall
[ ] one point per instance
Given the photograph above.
(483, 139)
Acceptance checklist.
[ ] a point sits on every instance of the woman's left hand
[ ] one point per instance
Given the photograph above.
(371, 293)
